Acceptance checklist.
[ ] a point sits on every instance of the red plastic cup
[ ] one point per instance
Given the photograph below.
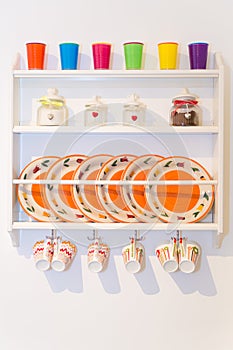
(101, 55)
(35, 55)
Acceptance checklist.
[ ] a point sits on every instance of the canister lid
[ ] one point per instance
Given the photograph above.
(134, 101)
(52, 98)
(95, 102)
(185, 95)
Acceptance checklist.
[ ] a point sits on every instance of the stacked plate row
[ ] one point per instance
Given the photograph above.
(151, 200)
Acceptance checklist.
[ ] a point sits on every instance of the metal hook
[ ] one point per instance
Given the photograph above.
(178, 235)
(137, 236)
(179, 232)
(94, 236)
(53, 235)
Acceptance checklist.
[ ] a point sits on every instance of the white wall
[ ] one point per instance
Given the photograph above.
(79, 310)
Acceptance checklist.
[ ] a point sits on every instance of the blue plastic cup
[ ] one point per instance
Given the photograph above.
(69, 55)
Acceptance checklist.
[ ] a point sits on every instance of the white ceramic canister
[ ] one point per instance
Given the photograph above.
(134, 111)
(95, 112)
(53, 109)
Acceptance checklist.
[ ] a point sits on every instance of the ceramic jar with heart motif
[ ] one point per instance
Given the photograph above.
(95, 112)
(134, 111)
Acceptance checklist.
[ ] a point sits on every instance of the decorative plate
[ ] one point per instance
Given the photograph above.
(174, 203)
(134, 195)
(110, 195)
(32, 196)
(85, 196)
(59, 197)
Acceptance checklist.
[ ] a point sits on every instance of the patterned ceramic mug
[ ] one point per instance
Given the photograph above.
(167, 255)
(133, 256)
(188, 255)
(97, 256)
(64, 252)
(43, 253)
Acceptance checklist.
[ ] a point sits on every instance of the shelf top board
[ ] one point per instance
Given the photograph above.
(202, 226)
(116, 74)
(115, 129)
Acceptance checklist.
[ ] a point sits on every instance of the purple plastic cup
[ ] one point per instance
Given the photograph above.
(198, 53)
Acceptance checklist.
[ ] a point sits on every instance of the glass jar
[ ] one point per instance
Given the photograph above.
(53, 110)
(185, 110)
(95, 112)
(134, 111)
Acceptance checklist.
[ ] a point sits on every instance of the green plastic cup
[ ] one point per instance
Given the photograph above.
(133, 55)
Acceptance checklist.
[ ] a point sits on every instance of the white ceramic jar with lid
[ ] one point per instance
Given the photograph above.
(95, 112)
(53, 109)
(134, 111)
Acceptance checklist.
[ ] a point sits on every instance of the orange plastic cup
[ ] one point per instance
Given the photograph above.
(35, 55)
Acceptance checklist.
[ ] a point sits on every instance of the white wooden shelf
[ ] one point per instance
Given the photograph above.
(158, 226)
(209, 82)
(116, 129)
(116, 74)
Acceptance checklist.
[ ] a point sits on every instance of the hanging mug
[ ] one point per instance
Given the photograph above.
(167, 255)
(64, 252)
(188, 255)
(97, 256)
(43, 253)
(133, 256)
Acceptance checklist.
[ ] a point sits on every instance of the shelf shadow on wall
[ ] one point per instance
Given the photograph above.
(146, 278)
(199, 281)
(109, 277)
(84, 61)
(71, 279)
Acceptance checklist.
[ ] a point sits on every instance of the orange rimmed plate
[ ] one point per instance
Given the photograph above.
(59, 197)
(32, 196)
(180, 203)
(85, 196)
(110, 195)
(135, 195)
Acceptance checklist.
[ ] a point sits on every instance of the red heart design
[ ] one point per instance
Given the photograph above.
(134, 117)
(95, 114)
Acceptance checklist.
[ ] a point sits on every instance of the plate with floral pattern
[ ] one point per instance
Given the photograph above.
(32, 196)
(184, 203)
(85, 196)
(110, 195)
(135, 195)
(59, 196)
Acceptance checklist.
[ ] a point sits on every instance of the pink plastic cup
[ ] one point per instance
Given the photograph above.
(101, 55)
